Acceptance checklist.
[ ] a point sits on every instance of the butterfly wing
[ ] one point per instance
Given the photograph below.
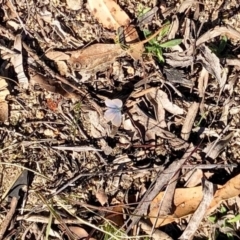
(114, 103)
(110, 114)
(116, 121)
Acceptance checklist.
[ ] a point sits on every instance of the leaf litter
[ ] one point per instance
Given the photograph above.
(170, 105)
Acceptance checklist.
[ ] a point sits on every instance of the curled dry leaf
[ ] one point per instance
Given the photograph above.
(149, 128)
(108, 13)
(174, 27)
(217, 31)
(18, 63)
(178, 59)
(215, 148)
(59, 58)
(212, 64)
(66, 37)
(162, 98)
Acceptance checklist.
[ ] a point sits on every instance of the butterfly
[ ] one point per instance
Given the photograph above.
(113, 113)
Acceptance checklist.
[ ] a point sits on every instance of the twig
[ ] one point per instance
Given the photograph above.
(161, 180)
(189, 120)
(8, 217)
(157, 234)
(8, 50)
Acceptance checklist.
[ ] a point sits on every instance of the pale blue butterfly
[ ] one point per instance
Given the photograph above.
(113, 113)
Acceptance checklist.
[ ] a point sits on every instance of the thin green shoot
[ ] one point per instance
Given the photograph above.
(50, 219)
(77, 110)
(235, 219)
(155, 46)
(141, 10)
(110, 228)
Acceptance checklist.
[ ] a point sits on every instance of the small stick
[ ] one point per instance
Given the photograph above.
(8, 217)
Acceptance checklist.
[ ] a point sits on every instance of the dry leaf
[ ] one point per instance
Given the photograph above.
(3, 111)
(74, 4)
(102, 197)
(49, 133)
(18, 64)
(186, 201)
(212, 64)
(193, 178)
(148, 128)
(116, 216)
(95, 58)
(3, 104)
(208, 191)
(108, 13)
(215, 148)
(178, 59)
(162, 98)
(146, 18)
(174, 27)
(136, 50)
(80, 232)
(218, 30)
(189, 120)
(62, 68)
(156, 234)
(130, 35)
(174, 75)
(57, 55)
(66, 37)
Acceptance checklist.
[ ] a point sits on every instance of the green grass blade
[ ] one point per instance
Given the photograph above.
(171, 43)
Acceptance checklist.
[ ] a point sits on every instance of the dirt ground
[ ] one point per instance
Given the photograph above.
(78, 164)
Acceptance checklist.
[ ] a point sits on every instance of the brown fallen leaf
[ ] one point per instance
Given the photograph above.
(3, 103)
(17, 63)
(79, 232)
(155, 234)
(218, 30)
(161, 180)
(208, 192)
(179, 59)
(162, 98)
(101, 197)
(4, 111)
(186, 201)
(74, 4)
(95, 58)
(108, 13)
(57, 55)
